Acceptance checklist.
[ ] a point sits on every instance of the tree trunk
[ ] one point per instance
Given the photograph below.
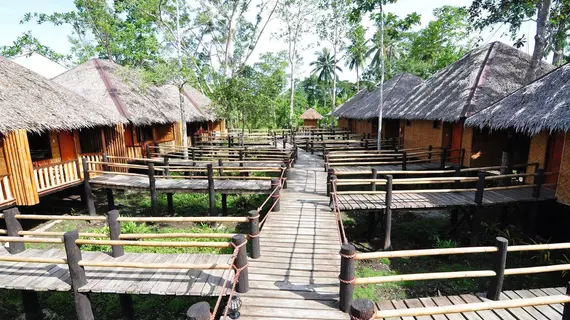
(540, 38)
(292, 96)
(558, 58)
(333, 96)
(357, 80)
(381, 107)
(183, 122)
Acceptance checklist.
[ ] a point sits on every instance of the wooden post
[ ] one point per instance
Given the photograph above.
(254, 234)
(126, 301)
(430, 149)
(241, 262)
(220, 165)
(152, 188)
(480, 187)
(13, 227)
(404, 161)
(362, 309)
(224, 204)
(457, 173)
(284, 175)
(312, 147)
(284, 143)
(330, 173)
(538, 182)
(78, 279)
(366, 144)
(388, 215)
(211, 189)
(462, 157)
(88, 193)
(229, 141)
(496, 285)
(169, 196)
(147, 150)
(374, 176)
(199, 311)
(566, 312)
(274, 141)
(32, 307)
(110, 196)
(307, 145)
(115, 232)
(346, 277)
(276, 194)
(443, 159)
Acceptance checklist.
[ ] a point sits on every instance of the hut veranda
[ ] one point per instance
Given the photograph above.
(39, 123)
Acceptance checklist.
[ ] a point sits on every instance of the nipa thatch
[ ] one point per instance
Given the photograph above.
(365, 104)
(311, 114)
(31, 102)
(480, 78)
(121, 90)
(541, 105)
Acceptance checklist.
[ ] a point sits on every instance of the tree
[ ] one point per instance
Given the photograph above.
(332, 27)
(485, 13)
(296, 16)
(356, 50)
(325, 68)
(26, 44)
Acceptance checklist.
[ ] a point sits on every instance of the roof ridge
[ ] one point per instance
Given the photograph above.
(477, 80)
(110, 88)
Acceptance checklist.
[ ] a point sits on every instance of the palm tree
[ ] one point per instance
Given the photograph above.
(325, 67)
(356, 51)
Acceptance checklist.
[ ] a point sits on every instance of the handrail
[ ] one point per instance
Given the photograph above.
(167, 244)
(183, 266)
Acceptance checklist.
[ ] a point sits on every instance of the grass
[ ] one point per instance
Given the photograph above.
(428, 230)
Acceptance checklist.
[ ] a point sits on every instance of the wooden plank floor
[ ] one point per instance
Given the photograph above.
(548, 312)
(118, 181)
(54, 277)
(426, 200)
(297, 274)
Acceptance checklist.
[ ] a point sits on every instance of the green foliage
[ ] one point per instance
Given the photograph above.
(26, 44)
(445, 243)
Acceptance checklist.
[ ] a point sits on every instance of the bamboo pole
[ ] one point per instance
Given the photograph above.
(32, 260)
(60, 234)
(426, 276)
(421, 253)
(175, 235)
(183, 219)
(154, 243)
(540, 269)
(535, 247)
(53, 217)
(104, 264)
(471, 307)
(31, 240)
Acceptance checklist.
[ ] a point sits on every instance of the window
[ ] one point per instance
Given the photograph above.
(437, 124)
(144, 134)
(408, 123)
(40, 147)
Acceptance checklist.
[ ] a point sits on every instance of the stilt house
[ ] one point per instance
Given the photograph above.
(38, 127)
(311, 118)
(540, 112)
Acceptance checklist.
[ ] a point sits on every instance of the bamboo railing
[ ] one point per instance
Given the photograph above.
(5, 190)
(53, 176)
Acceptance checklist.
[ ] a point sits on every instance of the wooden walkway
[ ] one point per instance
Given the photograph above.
(56, 277)
(553, 312)
(297, 274)
(345, 170)
(234, 186)
(436, 200)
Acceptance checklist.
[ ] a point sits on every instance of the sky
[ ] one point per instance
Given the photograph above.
(12, 11)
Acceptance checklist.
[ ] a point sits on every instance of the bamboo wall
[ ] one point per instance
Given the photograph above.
(20, 168)
(467, 144)
(114, 141)
(163, 132)
(421, 134)
(177, 131)
(310, 123)
(343, 122)
(537, 151)
(563, 190)
(3, 166)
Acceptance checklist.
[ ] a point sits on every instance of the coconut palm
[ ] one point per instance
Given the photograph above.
(356, 51)
(325, 67)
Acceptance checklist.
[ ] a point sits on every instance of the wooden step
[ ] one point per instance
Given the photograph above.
(289, 313)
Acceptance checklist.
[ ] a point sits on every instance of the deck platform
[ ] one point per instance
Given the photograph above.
(547, 312)
(235, 186)
(56, 277)
(438, 200)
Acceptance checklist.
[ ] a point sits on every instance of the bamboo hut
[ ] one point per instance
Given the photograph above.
(38, 153)
(310, 118)
(540, 111)
(434, 114)
(153, 113)
(360, 113)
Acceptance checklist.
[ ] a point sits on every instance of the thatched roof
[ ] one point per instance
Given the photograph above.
(480, 78)
(31, 102)
(365, 104)
(541, 105)
(122, 91)
(311, 114)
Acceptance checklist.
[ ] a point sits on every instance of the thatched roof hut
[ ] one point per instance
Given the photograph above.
(480, 78)
(543, 105)
(121, 90)
(365, 104)
(311, 114)
(31, 102)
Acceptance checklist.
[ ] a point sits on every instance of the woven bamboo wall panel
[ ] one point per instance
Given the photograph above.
(20, 168)
(537, 152)
(343, 122)
(3, 166)
(177, 131)
(467, 144)
(163, 132)
(306, 123)
(563, 190)
(421, 134)
(54, 144)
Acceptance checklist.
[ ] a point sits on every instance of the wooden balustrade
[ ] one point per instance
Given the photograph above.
(52, 176)
(5, 190)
